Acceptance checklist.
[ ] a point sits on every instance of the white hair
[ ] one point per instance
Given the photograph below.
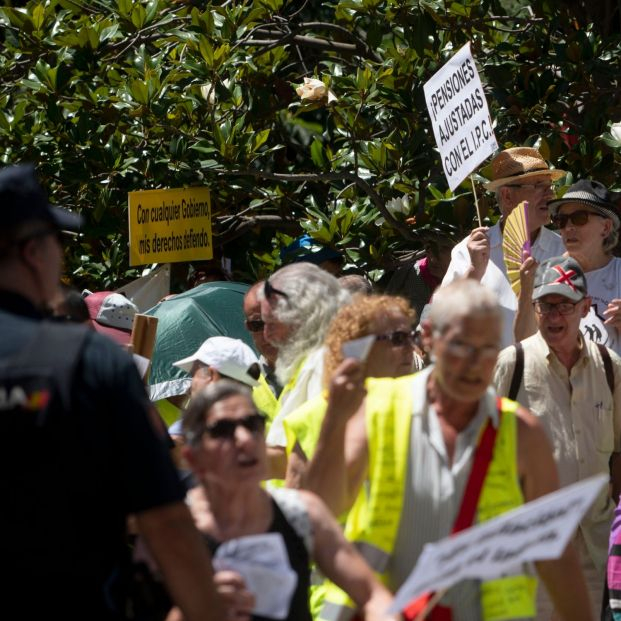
(461, 298)
(312, 298)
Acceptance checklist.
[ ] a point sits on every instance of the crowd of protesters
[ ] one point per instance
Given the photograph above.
(368, 422)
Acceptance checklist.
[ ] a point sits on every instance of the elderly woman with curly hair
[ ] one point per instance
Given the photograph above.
(389, 319)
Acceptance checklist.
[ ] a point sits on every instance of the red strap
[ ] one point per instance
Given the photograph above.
(482, 459)
(480, 464)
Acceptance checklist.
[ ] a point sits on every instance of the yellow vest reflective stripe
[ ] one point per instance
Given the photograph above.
(373, 525)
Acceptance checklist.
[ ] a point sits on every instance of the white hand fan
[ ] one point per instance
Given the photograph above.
(516, 243)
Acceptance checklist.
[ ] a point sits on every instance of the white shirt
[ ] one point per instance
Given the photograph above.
(548, 244)
(603, 285)
(309, 383)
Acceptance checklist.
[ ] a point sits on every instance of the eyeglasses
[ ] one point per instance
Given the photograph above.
(577, 218)
(562, 308)
(540, 187)
(225, 428)
(255, 325)
(271, 291)
(467, 351)
(398, 338)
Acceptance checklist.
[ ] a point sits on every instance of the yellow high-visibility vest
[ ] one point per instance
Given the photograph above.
(374, 522)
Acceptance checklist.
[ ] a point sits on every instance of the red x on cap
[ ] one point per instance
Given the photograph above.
(560, 276)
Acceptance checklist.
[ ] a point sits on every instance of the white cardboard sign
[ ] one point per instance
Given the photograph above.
(460, 117)
(538, 530)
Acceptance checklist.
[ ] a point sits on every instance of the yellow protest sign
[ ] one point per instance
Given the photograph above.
(167, 226)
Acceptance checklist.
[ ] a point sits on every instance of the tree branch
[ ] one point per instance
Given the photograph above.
(304, 41)
(326, 178)
(238, 229)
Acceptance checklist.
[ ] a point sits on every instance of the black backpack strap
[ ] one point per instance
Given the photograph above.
(610, 374)
(56, 347)
(518, 372)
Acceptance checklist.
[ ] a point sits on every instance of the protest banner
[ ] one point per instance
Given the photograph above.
(539, 530)
(460, 117)
(167, 226)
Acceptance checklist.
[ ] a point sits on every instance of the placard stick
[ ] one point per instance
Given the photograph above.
(142, 341)
(437, 596)
(476, 201)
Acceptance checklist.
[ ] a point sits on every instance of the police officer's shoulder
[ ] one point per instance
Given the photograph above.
(101, 356)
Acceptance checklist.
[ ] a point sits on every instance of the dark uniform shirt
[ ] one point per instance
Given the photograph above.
(64, 545)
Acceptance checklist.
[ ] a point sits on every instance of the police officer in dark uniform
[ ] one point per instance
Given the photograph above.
(82, 449)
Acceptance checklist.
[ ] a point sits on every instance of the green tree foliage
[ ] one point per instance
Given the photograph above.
(112, 96)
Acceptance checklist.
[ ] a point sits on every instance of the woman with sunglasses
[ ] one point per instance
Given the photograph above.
(588, 220)
(225, 447)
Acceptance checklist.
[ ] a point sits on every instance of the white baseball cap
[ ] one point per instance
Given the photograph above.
(230, 357)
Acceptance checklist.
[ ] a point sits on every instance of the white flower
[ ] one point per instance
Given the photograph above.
(399, 205)
(315, 90)
(395, 206)
(615, 130)
(209, 93)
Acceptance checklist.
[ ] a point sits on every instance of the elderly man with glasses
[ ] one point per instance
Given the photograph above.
(518, 174)
(573, 386)
(442, 453)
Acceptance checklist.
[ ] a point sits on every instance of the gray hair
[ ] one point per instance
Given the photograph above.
(194, 418)
(312, 298)
(461, 298)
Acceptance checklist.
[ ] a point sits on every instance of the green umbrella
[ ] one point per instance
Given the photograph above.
(185, 321)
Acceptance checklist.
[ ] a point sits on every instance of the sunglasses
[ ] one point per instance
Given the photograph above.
(562, 308)
(225, 428)
(255, 325)
(577, 218)
(271, 291)
(398, 338)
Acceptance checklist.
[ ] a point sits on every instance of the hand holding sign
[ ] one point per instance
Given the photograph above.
(263, 563)
(479, 251)
(539, 530)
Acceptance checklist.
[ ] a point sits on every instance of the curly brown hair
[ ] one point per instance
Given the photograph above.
(355, 320)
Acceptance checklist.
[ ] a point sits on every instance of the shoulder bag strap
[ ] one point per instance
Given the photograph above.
(610, 375)
(518, 372)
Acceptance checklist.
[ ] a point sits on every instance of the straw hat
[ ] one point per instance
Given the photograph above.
(519, 163)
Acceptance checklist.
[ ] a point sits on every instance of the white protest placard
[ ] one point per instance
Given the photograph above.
(538, 530)
(262, 561)
(459, 116)
(358, 348)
